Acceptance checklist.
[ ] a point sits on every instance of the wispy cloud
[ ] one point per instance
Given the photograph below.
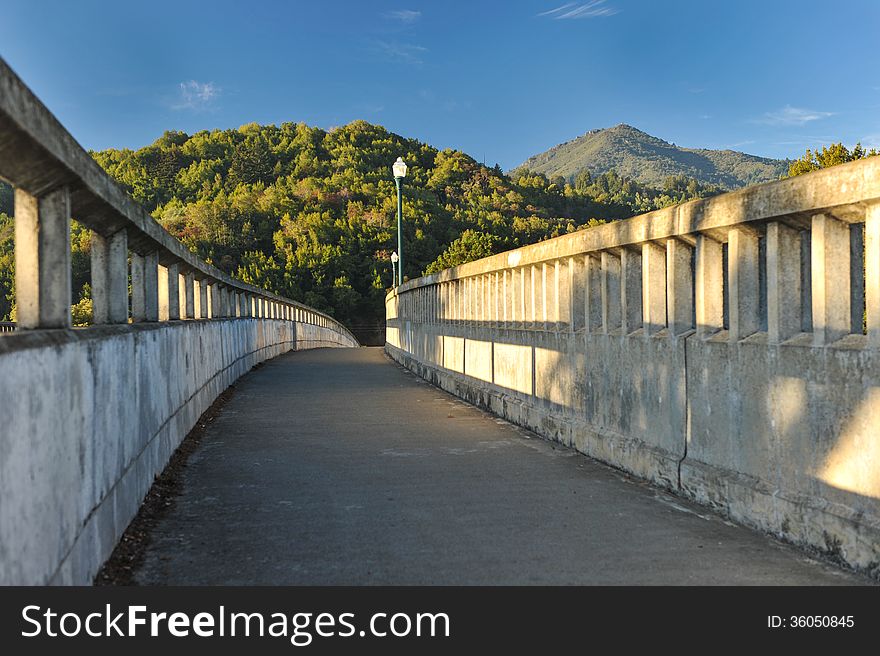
(407, 53)
(196, 95)
(572, 10)
(792, 116)
(370, 108)
(807, 141)
(404, 15)
(446, 104)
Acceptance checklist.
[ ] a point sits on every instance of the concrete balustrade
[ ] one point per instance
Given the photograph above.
(110, 278)
(42, 258)
(715, 348)
(90, 416)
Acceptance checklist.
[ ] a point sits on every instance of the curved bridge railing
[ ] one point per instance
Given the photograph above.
(89, 416)
(727, 348)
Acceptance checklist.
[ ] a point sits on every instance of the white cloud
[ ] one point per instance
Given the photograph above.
(407, 53)
(572, 10)
(404, 15)
(370, 108)
(789, 115)
(871, 141)
(196, 95)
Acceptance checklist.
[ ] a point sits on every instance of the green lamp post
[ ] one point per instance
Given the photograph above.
(399, 169)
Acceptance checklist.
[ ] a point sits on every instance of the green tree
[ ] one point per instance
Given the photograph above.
(470, 246)
(836, 153)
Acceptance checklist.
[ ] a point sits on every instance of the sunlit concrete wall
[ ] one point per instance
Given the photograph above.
(727, 349)
(88, 418)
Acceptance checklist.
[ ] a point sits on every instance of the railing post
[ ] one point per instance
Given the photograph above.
(109, 257)
(498, 300)
(679, 287)
(144, 287)
(169, 292)
(576, 293)
(610, 267)
(189, 282)
(534, 290)
(138, 302)
(653, 287)
(744, 280)
(174, 292)
(783, 282)
(505, 298)
(592, 294)
(630, 290)
(42, 259)
(561, 295)
(545, 301)
(709, 286)
(872, 273)
(204, 309)
(830, 279)
(151, 286)
(522, 295)
(216, 310)
(515, 316)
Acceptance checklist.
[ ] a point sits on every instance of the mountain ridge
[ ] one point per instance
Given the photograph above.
(645, 158)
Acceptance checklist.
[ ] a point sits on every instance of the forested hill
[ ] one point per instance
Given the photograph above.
(311, 213)
(649, 160)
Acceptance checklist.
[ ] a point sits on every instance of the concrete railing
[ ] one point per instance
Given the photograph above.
(716, 348)
(88, 417)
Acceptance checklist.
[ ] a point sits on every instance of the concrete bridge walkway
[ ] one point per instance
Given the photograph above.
(335, 466)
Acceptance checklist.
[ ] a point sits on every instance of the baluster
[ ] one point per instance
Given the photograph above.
(830, 279)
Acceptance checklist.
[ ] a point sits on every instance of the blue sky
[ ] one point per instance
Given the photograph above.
(499, 80)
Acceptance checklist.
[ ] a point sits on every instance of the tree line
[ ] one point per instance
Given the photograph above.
(311, 214)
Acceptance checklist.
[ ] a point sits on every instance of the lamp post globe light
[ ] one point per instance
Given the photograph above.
(394, 259)
(399, 169)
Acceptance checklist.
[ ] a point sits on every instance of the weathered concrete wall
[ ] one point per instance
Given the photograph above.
(727, 349)
(89, 417)
(784, 439)
(619, 399)
(787, 438)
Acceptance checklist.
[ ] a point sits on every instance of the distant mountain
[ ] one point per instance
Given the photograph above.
(649, 160)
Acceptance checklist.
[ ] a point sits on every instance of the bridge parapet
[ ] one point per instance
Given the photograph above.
(727, 348)
(54, 179)
(88, 417)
